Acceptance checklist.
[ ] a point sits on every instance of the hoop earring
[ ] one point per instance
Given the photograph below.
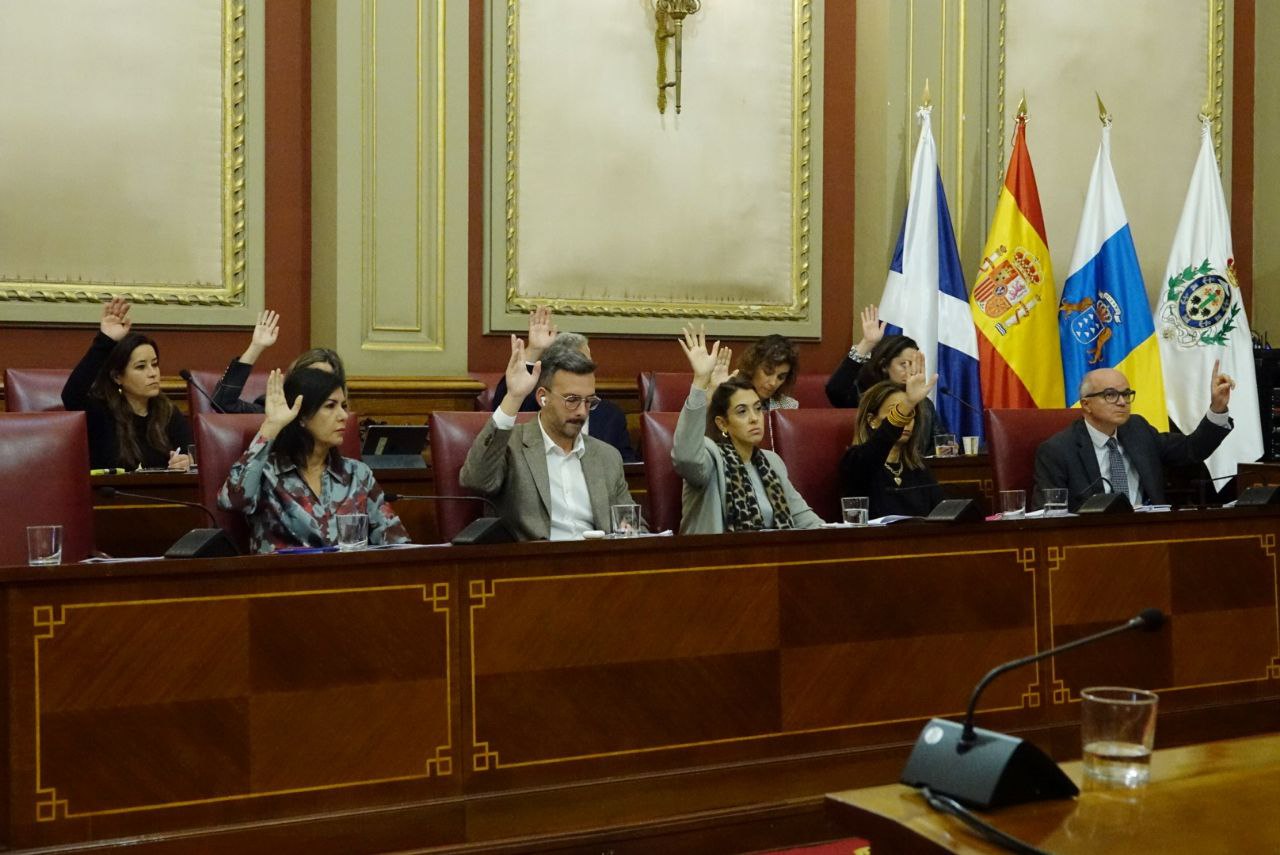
(725, 434)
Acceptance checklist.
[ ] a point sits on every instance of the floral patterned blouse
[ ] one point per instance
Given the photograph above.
(282, 511)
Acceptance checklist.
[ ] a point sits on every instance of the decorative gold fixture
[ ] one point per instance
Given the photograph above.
(670, 15)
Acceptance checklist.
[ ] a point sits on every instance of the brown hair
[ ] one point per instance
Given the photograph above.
(872, 400)
(770, 352)
(159, 409)
(320, 354)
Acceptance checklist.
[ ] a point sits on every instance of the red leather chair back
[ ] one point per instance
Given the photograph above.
(657, 431)
(198, 404)
(484, 401)
(221, 440)
(1012, 439)
(56, 446)
(34, 390)
(663, 391)
(811, 442)
(452, 435)
(811, 391)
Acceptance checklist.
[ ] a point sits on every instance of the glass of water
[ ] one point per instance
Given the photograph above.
(1054, 501)
(44, 545)
(854, 509)
(626, 520)
(945, 445)
(1118, 729)
(353, 532)
(1013, 504)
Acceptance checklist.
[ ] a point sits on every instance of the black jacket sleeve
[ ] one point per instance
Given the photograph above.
(226, 395)
(842, 385)
(75, 394)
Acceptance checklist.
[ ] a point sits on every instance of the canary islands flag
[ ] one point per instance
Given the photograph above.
(1104, 319)
(924, 296)
(1014, 297)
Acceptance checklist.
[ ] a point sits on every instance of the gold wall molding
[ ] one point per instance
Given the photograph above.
(509, 298)
(389, 159)
(238, 289)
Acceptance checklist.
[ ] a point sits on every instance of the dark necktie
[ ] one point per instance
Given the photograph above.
(1115, 463)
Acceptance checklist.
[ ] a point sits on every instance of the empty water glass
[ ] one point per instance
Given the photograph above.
(1013, 504)
(44, 544)
(353, 532)
(626, 520)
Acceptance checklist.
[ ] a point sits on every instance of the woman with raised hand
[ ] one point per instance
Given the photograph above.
(730, 483)
(226, 395)
(292, 483)
(132, 425)
(883, 463)
(772, 364)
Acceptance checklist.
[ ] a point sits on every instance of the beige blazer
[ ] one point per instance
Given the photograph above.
(510, 467)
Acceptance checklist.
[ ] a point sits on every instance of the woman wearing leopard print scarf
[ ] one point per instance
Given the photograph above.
(730, 483)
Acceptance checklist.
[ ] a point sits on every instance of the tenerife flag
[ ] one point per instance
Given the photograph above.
(925, 296)
(1104, 319)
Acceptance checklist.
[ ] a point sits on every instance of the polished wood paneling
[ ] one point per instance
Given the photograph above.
(534, 690)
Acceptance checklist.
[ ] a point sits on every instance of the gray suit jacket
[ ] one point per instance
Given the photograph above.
(701, 464)
(510, 467)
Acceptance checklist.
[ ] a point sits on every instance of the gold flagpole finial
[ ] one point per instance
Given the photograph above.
(1022, 107)
(926, 99)
(1206, 114)
(1103, 115)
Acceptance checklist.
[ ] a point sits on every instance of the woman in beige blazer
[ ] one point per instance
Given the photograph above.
(730, 483)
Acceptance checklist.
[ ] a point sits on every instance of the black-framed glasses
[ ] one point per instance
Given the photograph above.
(1114, 396)
(572, 402)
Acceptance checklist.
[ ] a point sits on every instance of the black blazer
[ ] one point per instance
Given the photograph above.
(1068, 458)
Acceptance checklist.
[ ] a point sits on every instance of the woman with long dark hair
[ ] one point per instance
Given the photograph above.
(730, 483)
(292, 483)
(883, 463)
(132, 425)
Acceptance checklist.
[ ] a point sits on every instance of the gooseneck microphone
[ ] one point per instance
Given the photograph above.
(1148, 620)
(197, 543)
(195, 384)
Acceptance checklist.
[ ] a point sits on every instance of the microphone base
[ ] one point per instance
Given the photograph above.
(394, 461)
(484, 530)
(1106, 503)
(1259, 496)
(203, 543)
(956, 511)
(993, 771)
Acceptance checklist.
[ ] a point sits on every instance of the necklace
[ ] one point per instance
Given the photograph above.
(896, 473)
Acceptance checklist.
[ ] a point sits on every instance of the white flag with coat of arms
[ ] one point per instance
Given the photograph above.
(1200, 317)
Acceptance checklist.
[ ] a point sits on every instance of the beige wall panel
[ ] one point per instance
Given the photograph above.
(130, 153)
(620, 210)
(1149, 61)
(389, 157)
(1266, 191)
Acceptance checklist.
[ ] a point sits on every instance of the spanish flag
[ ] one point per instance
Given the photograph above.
(1014, 301)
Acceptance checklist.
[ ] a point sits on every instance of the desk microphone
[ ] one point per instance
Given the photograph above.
(480, 530)
(986, 769)
(970, 407)
(197, 543)
(191, 381)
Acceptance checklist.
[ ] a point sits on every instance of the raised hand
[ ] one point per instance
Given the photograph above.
(701, 359)
(1220, 387)
(265, 333)
(520, 380)
(115, 319)
(918, 384)
(541, 333)
(721, 371)
(279, 413)
(872, 329)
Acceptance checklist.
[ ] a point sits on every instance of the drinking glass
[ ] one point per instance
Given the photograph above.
(353, 532)
(1054, 501)
(626, 520)
(1118, 731)
(971, 445)
(854, 509)
(1013, 504)
(44, 544)
(191, 453)
(944, 445)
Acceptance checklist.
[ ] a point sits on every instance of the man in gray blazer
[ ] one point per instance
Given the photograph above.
(1111, 450)
(547, 478)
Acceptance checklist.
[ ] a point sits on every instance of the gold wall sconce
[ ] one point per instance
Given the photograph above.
(670, 15)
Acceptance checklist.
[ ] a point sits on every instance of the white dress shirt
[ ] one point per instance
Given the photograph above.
(1099, 440)
(570, 502)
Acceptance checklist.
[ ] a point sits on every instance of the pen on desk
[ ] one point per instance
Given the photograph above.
(113, 471)
(305, 550)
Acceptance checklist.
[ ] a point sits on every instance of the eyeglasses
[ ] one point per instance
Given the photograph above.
(1113, 396)
(572, 402)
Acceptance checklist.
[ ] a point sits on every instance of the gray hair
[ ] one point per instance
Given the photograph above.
(563, 359)
(564, 341)
(1085, 387)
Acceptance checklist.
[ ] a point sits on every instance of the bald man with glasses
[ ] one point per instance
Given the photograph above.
(547, 477)
(1111, 450)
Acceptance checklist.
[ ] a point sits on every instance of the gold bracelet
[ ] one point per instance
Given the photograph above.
(897, 418)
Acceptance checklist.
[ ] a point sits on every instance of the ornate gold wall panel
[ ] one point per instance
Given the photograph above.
(389, 157)
(625, 220)
(130, 159)
(1156, 64)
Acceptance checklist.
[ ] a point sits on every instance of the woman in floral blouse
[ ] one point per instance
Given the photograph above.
(292, 482)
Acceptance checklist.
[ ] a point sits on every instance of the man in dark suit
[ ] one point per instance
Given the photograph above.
(607, 422)
(547, 477)
(1111, 450)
